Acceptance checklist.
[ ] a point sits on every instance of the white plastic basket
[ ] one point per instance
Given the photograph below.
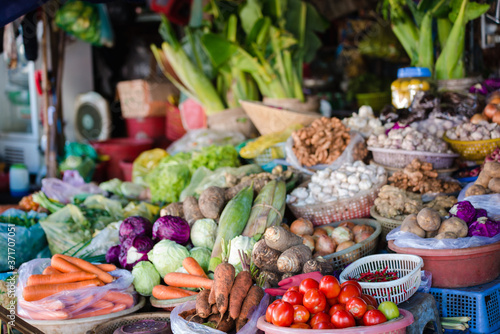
(407, 266)
(401, 158)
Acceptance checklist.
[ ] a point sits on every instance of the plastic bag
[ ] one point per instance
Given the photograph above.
(180, 326)
(195, 139)
(490, 202)
(80, 303)
(72, 184)
(142, 209)
(349, 155)
(425, 281)
(410, 240)
(145, 163)
(103, 241)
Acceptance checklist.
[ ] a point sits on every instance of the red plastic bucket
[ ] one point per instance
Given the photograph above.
(126, 167)
(119, 149)
(458, 268)
(148, 127)
(174, 129)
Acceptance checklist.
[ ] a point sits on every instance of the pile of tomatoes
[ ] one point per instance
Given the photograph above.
(328, 305)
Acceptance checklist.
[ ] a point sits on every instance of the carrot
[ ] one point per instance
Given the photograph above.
(62, 265)
(76, 276)
(37, 292)
(181, 280)
(43, 315)
(169, 292)
(223, 282)
(92, 312)
(242, 283)
(50, 270)
(251, 301)
(80, 304)
(118, 308)
(203, 309)
(119, 298)
(211, 296)
(193, 267)
(106, 267)
(52, 305)
(87, 266)
(101, 303)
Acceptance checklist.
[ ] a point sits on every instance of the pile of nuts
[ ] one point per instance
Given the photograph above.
(320, 143)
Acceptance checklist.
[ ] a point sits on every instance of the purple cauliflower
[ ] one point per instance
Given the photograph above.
(135, 250)
(484, 227)
(133, 226)
(113, 254)
(481, 213)
(464, 210)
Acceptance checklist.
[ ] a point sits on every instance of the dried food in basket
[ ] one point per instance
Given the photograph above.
(408, 139)
(395, 203)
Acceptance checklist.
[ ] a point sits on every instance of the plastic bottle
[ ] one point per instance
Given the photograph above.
(19, 180)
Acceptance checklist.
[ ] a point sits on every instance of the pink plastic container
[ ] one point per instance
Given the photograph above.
(395, 326)
(458, 268)
(127, 167)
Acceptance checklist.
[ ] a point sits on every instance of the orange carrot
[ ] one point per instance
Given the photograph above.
(118, 308)
(50, 270)
(106, 267)
(37, 292)
(119, 298)
(89, 267)
(44, 315)
(169, 292)
(62, 265)
(193, 267)
(80, 305)
(101, 303)
(92, 312)
(52, 305)
(181, 280)
(76, 276)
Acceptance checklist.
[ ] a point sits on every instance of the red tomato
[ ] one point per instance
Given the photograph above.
(343, 319)
(308, 284)
(269, 311)
(356, 306)
(293, 297)
(303, 326)
(293, 288)
(324, 325)
(356, 283)
(283, 314)
(332, 301)
(335, 308)
(374, 317)
(359, 322)
(315, 301)
(319, 317)
(370, 307)
(370, 300)
(347, 292)
(330, 286)
(300, 314)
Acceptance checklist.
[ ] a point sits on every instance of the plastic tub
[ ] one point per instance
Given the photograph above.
(458, 268)
(127, 167)
(119, 149)
(147, 127)
(395, 326)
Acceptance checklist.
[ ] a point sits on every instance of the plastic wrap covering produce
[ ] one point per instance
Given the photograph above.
(196, 139)
(77, 303)
(72, 184)
(490, 202)
(181, 326)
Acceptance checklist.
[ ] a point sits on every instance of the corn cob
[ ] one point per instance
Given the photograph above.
(232, 221)
(268, 209)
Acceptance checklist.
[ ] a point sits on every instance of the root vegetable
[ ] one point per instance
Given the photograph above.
(483, 179)
(242, 283)
(349, 225)
(309, 241)
(494, 185)
(211, 296)
(345, 245)
(264, 257)
(285, 226)
(191, 210)
(341, 234)
(410, 224)
(429, 219)
(280, 239)
(211, 202)
(325, 245)
(252, 300)
(431, 234)
(446, 235)
(226, 324)
(215, 310)
(182, 280)
(475, 189)
(357, 229)
(293, 259)
(318, 264)
(302, 226)
(362, 236)
(203, 309)
(492, 169)
(173, 209)
(270, 277)
(455, 225)
(223, 282)
(163, 292)
(478, 118)
(287, 275)
(319, 231)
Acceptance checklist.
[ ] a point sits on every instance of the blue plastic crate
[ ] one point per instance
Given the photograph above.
(481, 303)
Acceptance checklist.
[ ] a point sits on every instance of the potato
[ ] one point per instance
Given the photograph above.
(474, 190)
(211, 202)
(492, 169)
(410, 224)
(455, 225)
(446, 235)
(483, 179)
(173, 209)
(494, 185)
(429, 219)
(431, 234)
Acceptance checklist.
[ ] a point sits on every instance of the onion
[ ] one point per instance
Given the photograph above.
(308, 241)
(496, 117)
(478, 118)
(319, 231)
(341, 234)
(495, 100)
(490, 110)
(345, 245)
(328, 229)
(362, 236)
(325, 245)
(362, 228)
(302, 226)
(349, 225)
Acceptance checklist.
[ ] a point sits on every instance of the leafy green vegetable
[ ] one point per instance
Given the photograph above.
(202, 256)
(167, 180)
(167, 256)
(146, 277)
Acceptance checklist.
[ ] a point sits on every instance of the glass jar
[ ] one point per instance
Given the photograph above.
(410, 81)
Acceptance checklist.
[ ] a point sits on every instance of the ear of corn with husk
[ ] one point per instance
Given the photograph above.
(268, 209)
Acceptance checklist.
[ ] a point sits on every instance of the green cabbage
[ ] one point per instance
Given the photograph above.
(202, 256)
(167, 180)
(203, 233)
(167, 256)
(146, 277)
(245, 244)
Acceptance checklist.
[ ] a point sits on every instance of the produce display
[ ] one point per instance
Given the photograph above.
(365, 122)
(488, 180)
(346, 182)
(420, 177)
(396, 203)
(473, 132)
(381, 275)
(436, 127)
(408, 139)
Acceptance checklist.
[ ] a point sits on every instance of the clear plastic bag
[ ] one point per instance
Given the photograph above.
(103, 241)
(73, 304)
(72, 184)
(410, 240)
(490, 202)
(425, 281)
(196, 139)
(180, 326)
(348, 156)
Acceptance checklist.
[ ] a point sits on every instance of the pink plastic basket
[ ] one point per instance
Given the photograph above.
(395, 326)
(401, 158)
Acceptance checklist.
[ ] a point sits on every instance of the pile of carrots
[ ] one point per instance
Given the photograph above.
(67, 273)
